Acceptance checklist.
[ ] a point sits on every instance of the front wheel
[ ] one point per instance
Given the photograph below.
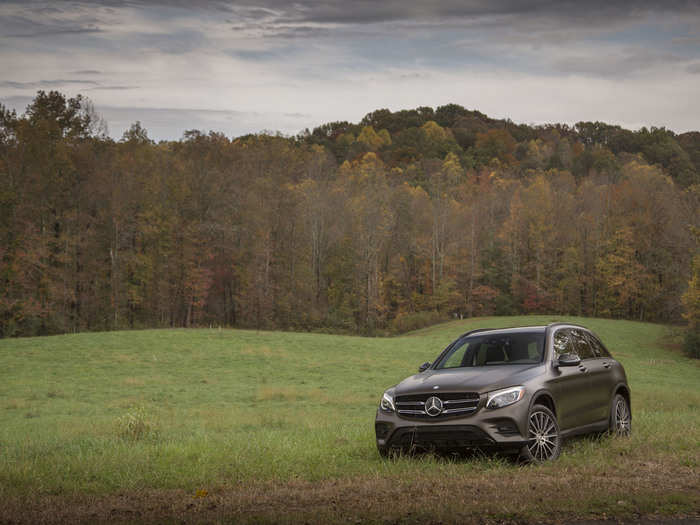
(544, 440)
(620, 416)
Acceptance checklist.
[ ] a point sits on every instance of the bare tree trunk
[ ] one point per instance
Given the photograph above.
(472, 256)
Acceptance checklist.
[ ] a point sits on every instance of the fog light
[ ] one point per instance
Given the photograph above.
(382, 430)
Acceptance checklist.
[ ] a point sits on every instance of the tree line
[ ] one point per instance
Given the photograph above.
(400, 220)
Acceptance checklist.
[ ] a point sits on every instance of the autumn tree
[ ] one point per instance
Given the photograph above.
(405, 218)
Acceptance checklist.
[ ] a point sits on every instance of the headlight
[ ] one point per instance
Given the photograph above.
(387, 403)
(503, 398)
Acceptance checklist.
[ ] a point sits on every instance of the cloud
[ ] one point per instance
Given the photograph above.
(40, 20)
(45, 84)
(622, 62)
(177, 42)
(292, 64)
(112, 88)
(571, 12)
(255, 54)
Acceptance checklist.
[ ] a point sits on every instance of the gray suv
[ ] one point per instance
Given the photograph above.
(521, 390)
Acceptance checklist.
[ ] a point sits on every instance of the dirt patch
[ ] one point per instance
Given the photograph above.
(511, 496)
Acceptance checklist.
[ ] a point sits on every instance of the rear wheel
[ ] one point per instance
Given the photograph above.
(620, 416)
(544, 440)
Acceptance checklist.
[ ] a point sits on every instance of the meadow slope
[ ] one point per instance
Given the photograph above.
(211, 424)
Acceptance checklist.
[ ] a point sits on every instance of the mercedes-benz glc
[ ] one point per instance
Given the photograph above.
(518, 389)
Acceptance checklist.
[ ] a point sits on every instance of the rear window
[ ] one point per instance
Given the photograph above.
(598, 347)
(495, 349)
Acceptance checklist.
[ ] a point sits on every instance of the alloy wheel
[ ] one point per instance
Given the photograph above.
(543, 436)
(622, 417)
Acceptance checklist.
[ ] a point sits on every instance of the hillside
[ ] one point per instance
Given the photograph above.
(276, 424)
(407, 136)
(396, 222)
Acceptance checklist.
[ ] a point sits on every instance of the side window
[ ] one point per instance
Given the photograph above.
(584, 350)
(480, 355)
(533, 351)
(598, 347)
(562, 343)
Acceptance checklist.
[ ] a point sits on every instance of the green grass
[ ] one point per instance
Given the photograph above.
(101, 413)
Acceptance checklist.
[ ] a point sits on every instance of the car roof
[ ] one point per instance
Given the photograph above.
(512, 330)
(520, 329)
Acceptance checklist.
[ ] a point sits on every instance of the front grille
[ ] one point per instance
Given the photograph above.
(453, 404)
(439, 436)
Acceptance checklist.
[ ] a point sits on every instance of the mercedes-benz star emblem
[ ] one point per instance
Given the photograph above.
(433, 406)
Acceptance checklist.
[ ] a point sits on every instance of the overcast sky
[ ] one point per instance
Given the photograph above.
(241, 67)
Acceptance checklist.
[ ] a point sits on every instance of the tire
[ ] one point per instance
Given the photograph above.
(544, 438)
(386, 452)
(620, 416)
(389, 452)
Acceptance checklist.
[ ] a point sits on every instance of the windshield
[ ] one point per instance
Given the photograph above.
(495, 349)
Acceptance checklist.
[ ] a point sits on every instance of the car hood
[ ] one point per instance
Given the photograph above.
(478, 379)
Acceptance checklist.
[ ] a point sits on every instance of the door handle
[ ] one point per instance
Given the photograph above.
(606, 365)
(582, 368)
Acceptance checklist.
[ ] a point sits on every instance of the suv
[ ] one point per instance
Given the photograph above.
(521, 390)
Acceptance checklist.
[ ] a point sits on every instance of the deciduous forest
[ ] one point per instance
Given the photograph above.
(395, 222)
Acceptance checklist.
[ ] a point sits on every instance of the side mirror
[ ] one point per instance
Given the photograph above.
(424, 367)
(569, 360)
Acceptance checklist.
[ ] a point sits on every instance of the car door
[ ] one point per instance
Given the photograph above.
(597, 402)
(603, 376)
(570, 384)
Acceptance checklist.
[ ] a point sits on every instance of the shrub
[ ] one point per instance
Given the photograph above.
(407, 322)
(135, 425)
(692, 343)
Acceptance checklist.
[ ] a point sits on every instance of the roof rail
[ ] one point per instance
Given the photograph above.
(470, 332)
(560, 323)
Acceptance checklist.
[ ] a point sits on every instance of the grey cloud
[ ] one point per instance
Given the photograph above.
(254, 54)
(620, 63)
(413, 75)
(286, 31)
(573, 12)
(299, 31)
(174, 43)
(51, 32)
(112, 88)
(37, 20)
(368, 11)
(371, 11)
(323, 46)
(39, 84)
(689, 40)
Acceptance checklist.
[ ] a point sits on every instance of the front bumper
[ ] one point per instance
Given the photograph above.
(504, 428)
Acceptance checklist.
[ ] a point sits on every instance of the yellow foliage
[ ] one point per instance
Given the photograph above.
(386, 138)
(370, 163)
(435, 132)
(372, 139)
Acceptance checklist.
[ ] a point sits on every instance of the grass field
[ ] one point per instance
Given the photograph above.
(236, 425)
